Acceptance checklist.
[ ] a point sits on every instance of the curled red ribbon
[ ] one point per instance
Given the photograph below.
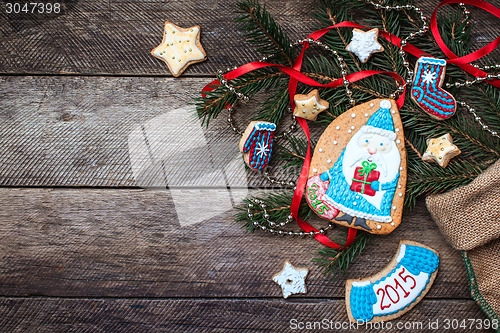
(464, 62)
(296, 76)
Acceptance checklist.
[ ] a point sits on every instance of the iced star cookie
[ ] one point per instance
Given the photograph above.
(361, 159)
(309, 106)
(180, 48)
(364, 44)
(441, 150)
(397, 288)
(291, 279)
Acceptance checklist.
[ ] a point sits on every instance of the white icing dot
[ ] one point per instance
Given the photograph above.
(320, 150)
(354, 203)
(349, 131)
(353, 115)
(401, 168)
(400, 194)
(352, 127)
(366, 114)
(328, 161)
(392, 223)
(316, 170)
(397, 129)
(399, 186)
(379, 226)
(393, 111)
(334, 142)
(385, 104)
(398, 141)
(371, 105)
(337, 128)
(357, 197)
(393, 207)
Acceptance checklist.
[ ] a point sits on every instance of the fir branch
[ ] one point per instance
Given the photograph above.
(335, 261)
(262, 31)
(210, 106)
(277, 206)
(293, 152)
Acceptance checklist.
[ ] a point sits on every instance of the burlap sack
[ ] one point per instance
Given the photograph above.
(469, 218)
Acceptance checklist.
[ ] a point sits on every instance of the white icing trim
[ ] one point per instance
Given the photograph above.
(379, 131)
(385, 104)
(421, 281)
(360, 283)
(353, 212)
(401, 254)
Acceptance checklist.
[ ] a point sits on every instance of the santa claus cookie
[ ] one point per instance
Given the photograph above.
(361, 162)
(397, 288)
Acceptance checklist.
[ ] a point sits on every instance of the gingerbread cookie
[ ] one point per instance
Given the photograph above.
(397, 288)
(427, 92)
(309, 106)
(364, 43)
(291, 279)
(361, 160)
(256, 144)
(180, 48)
(441, 150)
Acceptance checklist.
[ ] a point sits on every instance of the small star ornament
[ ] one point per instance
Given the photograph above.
(180, 48)
(441, 150)
(364, 43)
(310, 105)
(291, 279)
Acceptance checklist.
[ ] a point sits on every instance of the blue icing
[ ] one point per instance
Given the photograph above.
(433, 61)
(362, 300)
(416, 260)
(265, 126)
(339, 192)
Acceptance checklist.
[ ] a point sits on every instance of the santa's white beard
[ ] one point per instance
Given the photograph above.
(387, 164)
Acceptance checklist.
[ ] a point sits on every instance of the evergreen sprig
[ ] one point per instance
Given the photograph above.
(479, 149)
(277, 206)
(263, 32)
(338, 261)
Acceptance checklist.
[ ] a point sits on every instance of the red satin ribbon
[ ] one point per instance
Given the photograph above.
(296, 76)
(464, 62)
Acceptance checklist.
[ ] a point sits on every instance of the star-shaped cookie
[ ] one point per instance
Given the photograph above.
(441, 150)
(364, 43)
(180, 48)
(291, 279)
(310, 105)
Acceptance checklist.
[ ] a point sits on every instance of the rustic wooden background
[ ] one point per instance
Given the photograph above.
(87, 245)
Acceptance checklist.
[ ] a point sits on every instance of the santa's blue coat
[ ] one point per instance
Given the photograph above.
(339, 194)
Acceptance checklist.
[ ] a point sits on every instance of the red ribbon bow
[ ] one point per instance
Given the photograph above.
(296, 76)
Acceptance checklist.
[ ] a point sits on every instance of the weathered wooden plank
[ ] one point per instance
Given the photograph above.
(118, 132)
(209, 315)
(115, 37)
(132, 243)
(96, 37)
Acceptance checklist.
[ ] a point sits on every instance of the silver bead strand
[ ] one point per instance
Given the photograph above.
(275, 228)
(478, 119)
(404, 41)
(340, 60)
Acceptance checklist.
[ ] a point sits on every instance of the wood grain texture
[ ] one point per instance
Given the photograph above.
(129, 243)
(94, 37)
(211, 315)
(115, 132)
